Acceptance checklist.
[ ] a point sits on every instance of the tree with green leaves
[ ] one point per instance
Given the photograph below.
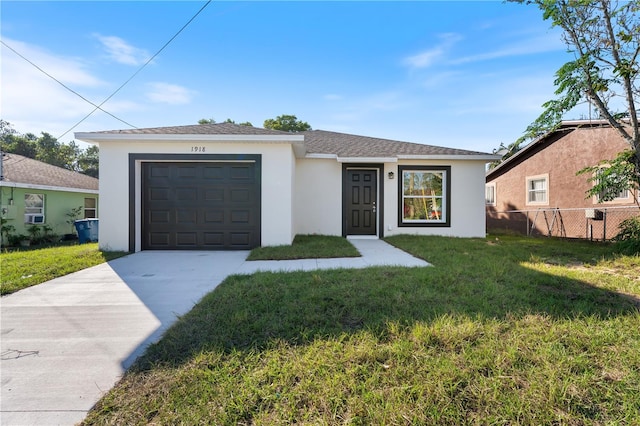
(89, 161)
(228, 120)
(48, 149)
(604, 37)
(286, 123)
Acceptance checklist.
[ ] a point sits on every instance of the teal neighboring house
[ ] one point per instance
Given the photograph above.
(36, 193)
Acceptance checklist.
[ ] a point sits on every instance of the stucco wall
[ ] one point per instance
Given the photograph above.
(318, 188)
(277, 174)
(560, 160)
(319, 198)
(467, 200)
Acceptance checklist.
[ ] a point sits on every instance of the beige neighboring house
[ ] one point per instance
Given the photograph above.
(537, 190)
(37, 193)
(226, 186)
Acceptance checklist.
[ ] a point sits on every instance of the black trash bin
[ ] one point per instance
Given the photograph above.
(87, 230)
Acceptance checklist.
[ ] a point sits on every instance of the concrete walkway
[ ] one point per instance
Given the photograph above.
(66, 342)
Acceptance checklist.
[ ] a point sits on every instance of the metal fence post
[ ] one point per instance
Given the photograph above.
(604, 225)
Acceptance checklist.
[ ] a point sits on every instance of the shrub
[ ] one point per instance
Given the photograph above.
(628, 239)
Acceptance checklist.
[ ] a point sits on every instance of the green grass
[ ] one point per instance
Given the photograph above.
(511, 331)
(307, 247)
(25, 268)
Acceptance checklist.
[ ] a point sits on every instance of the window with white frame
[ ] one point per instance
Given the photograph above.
(538, 189)
(34, 208)
(90, 208)
(624, 195)
(424, 196)
(490, 194)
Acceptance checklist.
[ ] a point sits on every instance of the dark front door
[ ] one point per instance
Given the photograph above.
(361, 198)
(200, 206)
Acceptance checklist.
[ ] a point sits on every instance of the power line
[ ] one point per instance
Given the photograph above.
(62, 84)
(139, 69)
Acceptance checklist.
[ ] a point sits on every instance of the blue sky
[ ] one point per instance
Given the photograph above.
(452, 73)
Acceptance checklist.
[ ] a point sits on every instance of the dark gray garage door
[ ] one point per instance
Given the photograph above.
(200, 206)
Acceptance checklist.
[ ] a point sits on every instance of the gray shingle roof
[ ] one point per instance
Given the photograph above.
(19, 169)
(199, 129)
(316, 141)
(345, 145)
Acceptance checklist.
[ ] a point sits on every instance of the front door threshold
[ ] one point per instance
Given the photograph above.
(362, 237)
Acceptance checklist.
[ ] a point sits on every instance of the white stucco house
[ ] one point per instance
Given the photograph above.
(226, 186)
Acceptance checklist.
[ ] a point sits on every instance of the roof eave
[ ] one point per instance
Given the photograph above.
(367, 159)
(564, 125)
(463, 157)
(10, 184)
(296, 141)
(395, 159)
(167, 137)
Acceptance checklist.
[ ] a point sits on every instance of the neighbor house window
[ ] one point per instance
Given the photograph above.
(490, 194)
(34, 208)
(623, 195)
(90, 211)
(538, 189)
(424, 196)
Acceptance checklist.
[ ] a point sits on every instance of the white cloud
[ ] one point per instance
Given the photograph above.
(550, 42)
(332, 97)
(121, 51)
(440, 79)
(33, 102)
(169, 93)
(430, 56)
(64, 69)
(504, 95)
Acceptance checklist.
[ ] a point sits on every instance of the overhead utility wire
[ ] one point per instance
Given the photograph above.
(62, 84)
(139, 69)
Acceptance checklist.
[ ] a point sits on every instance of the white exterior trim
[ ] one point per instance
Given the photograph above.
(485, 157)
(145, 137)
(322, 156)
(46, 187)
(367, 159)
(296, 141)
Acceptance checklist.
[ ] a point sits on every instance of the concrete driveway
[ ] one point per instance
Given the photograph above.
(66, 342)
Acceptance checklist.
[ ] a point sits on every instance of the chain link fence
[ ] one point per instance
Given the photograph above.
(600, 224)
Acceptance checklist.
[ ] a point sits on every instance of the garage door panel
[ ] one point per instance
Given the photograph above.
(215, 239)
(214, 194)
(240, 239)
(240, 216)
(186, 194)
(188, 239)
(159, 171)
(213, 172)
(240, 195)
(241, 173)
(201, 206)
(187, 217)
(188, 172)
(160, 239)
(159, 194)
(159, 216)
(213, 216)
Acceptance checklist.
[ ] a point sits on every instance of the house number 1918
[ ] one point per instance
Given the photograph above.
(197, 149)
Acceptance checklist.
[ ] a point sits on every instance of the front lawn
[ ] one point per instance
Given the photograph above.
(307, 247)
(500, 331)
(21, 269)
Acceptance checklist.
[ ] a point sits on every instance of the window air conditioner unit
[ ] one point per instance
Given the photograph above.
(34, 218)
(593, 214)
